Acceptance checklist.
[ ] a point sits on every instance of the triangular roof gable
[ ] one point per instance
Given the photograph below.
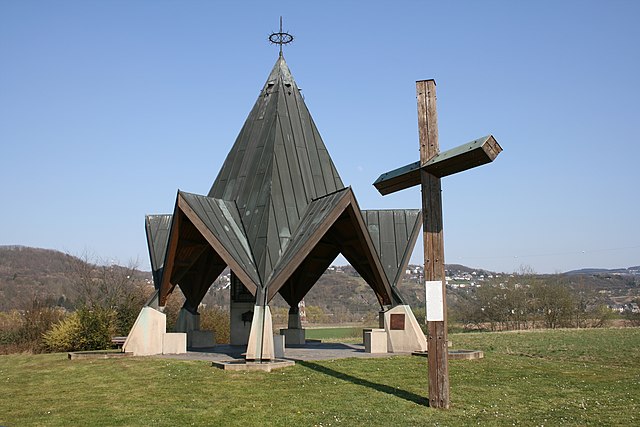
(394, 233)
(218, 224)
(322, 215)
(157, 228)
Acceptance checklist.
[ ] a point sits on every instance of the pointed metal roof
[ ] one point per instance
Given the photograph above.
(278, 214)
(276, 167)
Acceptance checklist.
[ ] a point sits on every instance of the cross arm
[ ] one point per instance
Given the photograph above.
(475, 153)
(398, 179)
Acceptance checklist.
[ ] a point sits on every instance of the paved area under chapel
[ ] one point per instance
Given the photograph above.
(307, 352)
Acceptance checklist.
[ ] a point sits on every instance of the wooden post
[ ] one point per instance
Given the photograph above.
(433, 241)
(427, 172)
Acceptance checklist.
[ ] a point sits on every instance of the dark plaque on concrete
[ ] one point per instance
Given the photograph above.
(397, 322)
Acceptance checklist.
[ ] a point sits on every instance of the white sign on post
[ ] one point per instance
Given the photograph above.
(435, 303)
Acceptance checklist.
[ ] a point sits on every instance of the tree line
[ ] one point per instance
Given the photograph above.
(527, 301)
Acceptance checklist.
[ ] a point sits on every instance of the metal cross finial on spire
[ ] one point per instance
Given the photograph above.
(280, 38)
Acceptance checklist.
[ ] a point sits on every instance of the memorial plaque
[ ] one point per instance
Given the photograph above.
(397, 322)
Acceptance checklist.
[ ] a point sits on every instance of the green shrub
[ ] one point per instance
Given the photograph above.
(63, 335)
(83, 330)
(21, 331)
(217, 320)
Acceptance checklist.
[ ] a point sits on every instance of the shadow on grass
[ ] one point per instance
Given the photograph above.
(402, 394)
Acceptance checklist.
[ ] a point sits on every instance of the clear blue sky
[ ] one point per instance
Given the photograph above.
(108, 107)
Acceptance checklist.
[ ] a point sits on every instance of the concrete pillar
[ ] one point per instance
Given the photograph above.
(189, 323)
(241, 312)
(294, 318)
(294, 334)
(260, 346)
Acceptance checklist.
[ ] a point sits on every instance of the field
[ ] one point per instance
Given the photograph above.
(341, 334)
(560, 377)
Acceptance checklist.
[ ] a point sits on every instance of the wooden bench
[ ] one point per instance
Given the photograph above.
(118, 341)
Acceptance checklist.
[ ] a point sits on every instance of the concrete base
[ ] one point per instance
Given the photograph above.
(190, 324)
(409, 337)
(148, 335)
(241, 365)
(240, 329)
(294, 336)
(74, 355)
(174, 343)
(200, 339)
(375, 341)
(260, 345)
(187, 321)
(278, 346)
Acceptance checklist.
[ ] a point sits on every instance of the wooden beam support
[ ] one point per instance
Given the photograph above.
(427, 172)
(433, 243)
(466, 156)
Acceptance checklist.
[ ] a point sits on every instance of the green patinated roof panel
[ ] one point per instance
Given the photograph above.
(317, 212)
(276, 167)
(157, 228)
(221, 217)
(393, 232)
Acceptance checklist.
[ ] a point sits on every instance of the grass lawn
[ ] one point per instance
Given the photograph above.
(562, 377)
(341, 334)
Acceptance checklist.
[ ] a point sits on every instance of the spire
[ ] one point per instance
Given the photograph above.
(276, 167)
(280, 38)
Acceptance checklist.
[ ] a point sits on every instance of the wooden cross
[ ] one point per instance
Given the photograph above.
(427, 172)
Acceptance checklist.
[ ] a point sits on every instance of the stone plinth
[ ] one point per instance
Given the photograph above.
(293, 336)
(201, 339)
(148, 336)
(278, 346)
(375, 341)
(174, 343)
(404, 334)
(189, 323)
(241, 365)
(240, 326)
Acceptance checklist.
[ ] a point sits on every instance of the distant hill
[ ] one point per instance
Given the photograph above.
(459, 268)
(631, 271)
(28, 274)
(31, 273)
(47, 275)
